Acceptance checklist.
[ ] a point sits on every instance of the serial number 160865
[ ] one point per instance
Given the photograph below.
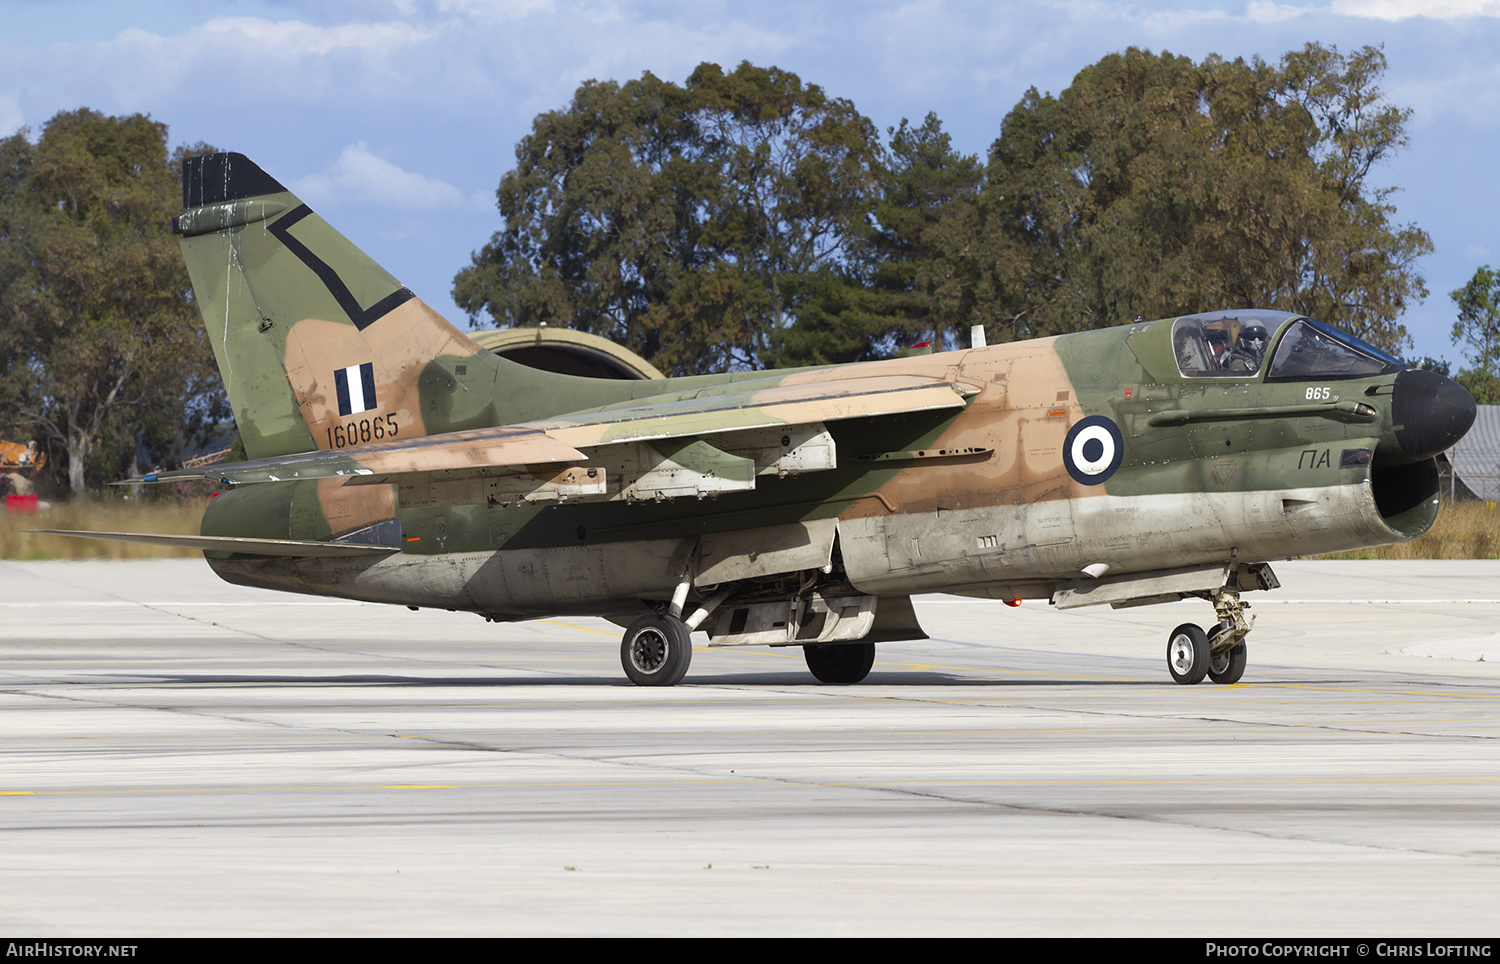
(362, 430)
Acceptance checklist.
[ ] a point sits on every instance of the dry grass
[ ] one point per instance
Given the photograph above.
(1463, 530)
(170, 517)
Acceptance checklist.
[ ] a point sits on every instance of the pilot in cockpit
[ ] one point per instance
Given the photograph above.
(1248, 351)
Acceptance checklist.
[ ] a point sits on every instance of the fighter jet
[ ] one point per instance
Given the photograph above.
(392, 460)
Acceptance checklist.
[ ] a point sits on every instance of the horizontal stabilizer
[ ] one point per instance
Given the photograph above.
(472, 449)
(254, 547)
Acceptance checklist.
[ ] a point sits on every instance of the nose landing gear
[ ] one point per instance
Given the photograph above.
(1219, 655)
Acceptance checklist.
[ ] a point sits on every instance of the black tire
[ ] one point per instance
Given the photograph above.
(656, 650)
(839, 664)
(1228, 666)
(1187, 654)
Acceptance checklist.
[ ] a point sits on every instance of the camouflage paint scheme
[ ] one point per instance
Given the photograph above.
(449, 477)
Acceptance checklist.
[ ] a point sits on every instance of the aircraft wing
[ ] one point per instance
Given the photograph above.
(645, 449)
(254, 547)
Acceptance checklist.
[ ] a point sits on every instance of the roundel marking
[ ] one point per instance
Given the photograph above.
(1093, 450)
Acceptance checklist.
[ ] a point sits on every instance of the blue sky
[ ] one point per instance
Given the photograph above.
(395, 119)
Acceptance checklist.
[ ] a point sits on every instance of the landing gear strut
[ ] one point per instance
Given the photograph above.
(656, 650)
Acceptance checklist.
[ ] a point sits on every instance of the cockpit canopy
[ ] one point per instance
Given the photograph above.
(1224, 344)
(1311, 349)
(1233, 344)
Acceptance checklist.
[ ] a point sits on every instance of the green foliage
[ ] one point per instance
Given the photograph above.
(1478, 327)
(100, 345)
(933, 238)
(684, 222)
(1482, 383)
(746, 219)
(915, 269)
(1428, 363)
(1478, 324)
(1154, 186)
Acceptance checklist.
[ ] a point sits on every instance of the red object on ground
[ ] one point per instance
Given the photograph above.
(24, 504)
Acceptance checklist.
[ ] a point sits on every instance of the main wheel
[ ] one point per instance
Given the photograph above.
(1187, 654)
(840, 663)
(656, 650)
(1227, 666)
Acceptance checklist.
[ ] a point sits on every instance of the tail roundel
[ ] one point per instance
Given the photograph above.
(319, 346)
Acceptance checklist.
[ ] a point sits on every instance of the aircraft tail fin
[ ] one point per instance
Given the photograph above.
(319, 346)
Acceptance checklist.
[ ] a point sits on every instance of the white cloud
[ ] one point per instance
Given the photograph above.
(295, 38)
(1407, 9)
(494, 9)
(361, 175)
(230, 60)
(1267, 11)
(1461, 92)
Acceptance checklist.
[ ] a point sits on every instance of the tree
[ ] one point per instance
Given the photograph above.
(688, 223)
(1478, 323)
(1478, 326)
(100, 343)
(908, 272)
(932, 262)
(1154, 186)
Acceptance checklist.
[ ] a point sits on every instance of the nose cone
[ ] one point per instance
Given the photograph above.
(1429, 413)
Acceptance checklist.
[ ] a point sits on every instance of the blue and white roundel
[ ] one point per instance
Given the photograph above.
(1093, 450)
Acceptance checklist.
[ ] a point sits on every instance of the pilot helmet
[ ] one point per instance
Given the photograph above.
(1254, 338)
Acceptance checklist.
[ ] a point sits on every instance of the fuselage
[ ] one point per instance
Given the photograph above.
(1125, 449)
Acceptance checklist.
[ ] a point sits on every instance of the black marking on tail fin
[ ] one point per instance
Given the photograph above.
(215, 178)
(362, 317)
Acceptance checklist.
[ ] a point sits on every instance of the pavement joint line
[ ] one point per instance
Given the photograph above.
(698, 780)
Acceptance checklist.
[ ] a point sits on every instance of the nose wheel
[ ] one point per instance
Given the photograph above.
(1227, 666)
(1194, 655)
(1219, 655)
(1188, 654)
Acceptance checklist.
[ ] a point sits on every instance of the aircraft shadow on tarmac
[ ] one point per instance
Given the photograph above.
(721, 679)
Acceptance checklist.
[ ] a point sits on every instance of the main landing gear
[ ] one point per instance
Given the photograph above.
(1219, 655)
(656, 650)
